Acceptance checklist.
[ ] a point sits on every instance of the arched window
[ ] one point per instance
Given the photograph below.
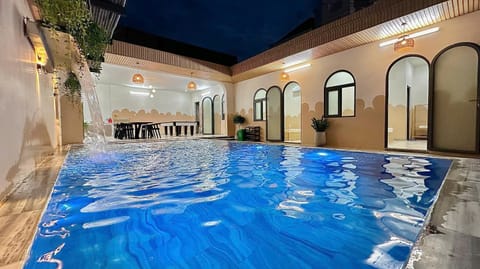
(259, 105)
(340, 95)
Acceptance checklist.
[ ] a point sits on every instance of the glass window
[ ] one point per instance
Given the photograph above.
(348, 101)
(340, 95)
(259, 104)
(223, 107)
(333, 103)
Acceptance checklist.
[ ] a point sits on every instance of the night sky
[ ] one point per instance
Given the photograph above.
(242, 28)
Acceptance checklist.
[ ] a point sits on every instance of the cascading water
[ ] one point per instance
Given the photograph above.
(96, 131)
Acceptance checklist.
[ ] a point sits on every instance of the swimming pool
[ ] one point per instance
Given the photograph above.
(218, 204)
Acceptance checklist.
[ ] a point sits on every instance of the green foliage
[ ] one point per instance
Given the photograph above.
(319, 125)
(72, 86)
(73, 17)
(94, 43)
(238, 119)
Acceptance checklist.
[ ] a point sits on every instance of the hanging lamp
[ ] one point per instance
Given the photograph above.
(191, 85)
(404, 42)
(138, 78)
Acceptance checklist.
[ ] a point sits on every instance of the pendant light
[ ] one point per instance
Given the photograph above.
(404, 42)
(191, 85)
(138, 78)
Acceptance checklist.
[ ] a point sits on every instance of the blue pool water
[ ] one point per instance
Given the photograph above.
(218, 204)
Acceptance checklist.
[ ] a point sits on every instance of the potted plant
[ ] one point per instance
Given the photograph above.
(320, 126)
(239, 120)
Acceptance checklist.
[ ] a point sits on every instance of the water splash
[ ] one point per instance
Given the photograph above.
(95, 138)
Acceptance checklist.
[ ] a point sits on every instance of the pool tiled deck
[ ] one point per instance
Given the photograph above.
(451, 240)
(21, 210)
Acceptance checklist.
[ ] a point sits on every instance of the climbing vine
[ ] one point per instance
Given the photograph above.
(73, 17)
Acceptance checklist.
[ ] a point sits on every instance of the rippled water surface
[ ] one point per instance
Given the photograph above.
(217, 204)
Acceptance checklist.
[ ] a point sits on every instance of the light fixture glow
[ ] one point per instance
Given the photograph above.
(137, 78)
(424, 32)
(387, 43)
(139, 93)
(413, 35)
(404, 44)
(284, 76)
(151, 95)
(154, 91)
(298, 67)
(191, 85)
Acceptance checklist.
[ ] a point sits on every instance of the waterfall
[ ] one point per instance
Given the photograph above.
(96, 131)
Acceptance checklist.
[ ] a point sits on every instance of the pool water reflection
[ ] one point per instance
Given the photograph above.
(204, 204)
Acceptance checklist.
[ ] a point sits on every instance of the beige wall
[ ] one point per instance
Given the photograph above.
(71, 118)
(26, 99)
(229, 106)
(153, 115)
(368, 64)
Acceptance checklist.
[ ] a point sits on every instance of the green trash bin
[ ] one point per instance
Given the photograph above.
(241, 135)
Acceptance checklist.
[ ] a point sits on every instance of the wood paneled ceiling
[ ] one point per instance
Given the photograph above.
(106, 13)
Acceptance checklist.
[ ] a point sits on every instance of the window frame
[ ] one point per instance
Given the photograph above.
(339, 89)
(262, 102)
(223, 106)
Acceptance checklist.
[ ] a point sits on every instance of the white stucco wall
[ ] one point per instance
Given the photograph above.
(116, 97)
(419, 91)
(26, 102)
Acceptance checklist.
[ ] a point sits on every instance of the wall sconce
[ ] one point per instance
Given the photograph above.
(37, 41)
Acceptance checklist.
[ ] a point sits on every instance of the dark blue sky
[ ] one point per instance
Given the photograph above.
(242, 28)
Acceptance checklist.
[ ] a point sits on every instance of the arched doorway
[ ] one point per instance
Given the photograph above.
(207, 116)
(274, 114)
(292, 103)
(455, 123)
(407, 104)
(217, 115)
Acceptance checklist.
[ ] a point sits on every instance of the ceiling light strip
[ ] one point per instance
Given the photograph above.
(298, 67)
(139, 93)
(424, 32)
(417, 34)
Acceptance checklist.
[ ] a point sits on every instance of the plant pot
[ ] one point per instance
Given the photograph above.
(320, 139)
(241, 135)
